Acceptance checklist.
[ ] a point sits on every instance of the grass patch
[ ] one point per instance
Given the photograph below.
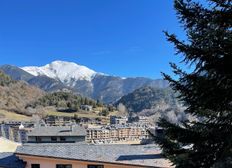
(87, 114)
(11, 116)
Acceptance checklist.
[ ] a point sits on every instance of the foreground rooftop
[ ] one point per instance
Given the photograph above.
(9, 160)
(143, 155)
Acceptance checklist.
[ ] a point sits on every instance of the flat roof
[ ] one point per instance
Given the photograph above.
(75, 130)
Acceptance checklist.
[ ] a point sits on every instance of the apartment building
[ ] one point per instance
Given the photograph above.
(57, 134)
(117, 133)
(58, 120)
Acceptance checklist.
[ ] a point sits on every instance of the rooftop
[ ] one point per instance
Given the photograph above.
(9, 160)
(143, 155)
(58, 131)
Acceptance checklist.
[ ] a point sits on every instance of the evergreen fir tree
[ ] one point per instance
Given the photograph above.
(206, 91)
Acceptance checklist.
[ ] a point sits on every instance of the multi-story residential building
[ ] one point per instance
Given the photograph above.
(57, 134)
(116, 133)
(58, 120)
(15, 131)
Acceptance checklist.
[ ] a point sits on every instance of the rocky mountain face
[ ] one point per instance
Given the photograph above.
(99, 86)
(110, 88)
(15, 95)
(154, 102)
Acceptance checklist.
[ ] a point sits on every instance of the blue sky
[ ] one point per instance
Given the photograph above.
(118, 37)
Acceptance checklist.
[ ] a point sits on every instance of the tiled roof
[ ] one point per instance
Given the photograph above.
(58, 131)
(144, 155)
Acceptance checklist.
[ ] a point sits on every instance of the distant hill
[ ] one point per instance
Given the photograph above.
(154, 102)
(147, 98)
(15, 95)
(60, 75)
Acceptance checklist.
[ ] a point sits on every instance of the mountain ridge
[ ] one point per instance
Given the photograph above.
(60, 75)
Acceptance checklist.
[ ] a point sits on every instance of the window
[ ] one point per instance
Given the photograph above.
(95, 166)
(62, 139)
(53, 139)
(38, 139)
(35, 165)
(63, 166)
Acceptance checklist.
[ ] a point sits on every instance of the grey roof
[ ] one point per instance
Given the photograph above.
(9, 160)
(144, 155)
(58, 131)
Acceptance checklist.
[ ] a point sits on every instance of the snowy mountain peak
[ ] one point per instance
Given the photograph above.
(66, 72)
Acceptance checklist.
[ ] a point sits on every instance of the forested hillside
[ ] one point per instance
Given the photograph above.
(147, 98)
(65, 101)
(15, 95)
(154, 102)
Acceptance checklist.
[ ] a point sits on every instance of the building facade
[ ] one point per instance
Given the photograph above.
(15, 131)
(117, 133)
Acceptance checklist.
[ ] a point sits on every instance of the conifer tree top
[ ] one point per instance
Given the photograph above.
(206, 91)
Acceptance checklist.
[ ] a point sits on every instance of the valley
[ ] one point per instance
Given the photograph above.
(67, 89)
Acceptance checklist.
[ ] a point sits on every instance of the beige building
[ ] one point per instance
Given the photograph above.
(112, 134)
(91, 156)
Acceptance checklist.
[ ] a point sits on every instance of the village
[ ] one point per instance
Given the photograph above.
(26, 140)
(119, 130)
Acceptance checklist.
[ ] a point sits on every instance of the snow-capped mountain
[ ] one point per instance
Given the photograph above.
(67, 72)
(60, 75)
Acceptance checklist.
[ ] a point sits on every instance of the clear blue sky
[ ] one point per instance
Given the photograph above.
(118, 37)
